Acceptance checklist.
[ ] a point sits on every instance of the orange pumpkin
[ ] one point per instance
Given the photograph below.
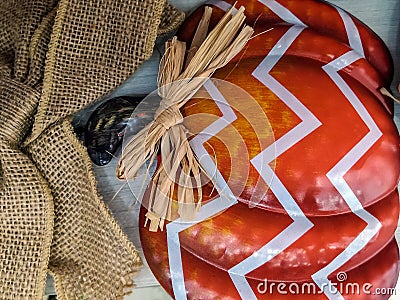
(313, 172)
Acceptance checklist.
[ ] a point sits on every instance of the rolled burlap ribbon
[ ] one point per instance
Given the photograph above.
(56, 58)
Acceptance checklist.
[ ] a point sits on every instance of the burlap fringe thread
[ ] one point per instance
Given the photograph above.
(178, 81)
(56, 57)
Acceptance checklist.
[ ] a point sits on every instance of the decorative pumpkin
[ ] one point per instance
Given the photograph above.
(318, 201)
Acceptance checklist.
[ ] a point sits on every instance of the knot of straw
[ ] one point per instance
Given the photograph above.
(168, 117)
(179, 79)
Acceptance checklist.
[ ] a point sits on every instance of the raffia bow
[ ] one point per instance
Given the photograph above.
(178, 81)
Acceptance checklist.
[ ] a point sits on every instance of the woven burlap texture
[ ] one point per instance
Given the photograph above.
(56, 57)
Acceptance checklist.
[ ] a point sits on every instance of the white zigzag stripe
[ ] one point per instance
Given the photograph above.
(261, 162)
(337, 173)
(352, 32)
(210, 209)
(223, 5)
(301, 223)
(283, 13)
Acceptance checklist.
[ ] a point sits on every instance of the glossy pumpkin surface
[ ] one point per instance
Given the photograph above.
(320, 16)
(205, 281)
(329, 142)
(340, 127)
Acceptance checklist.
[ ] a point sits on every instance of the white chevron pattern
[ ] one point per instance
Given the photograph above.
(301, 224)
(208, 210)
(283, 13)
(223, 5)
(337, 173)
(352, 32)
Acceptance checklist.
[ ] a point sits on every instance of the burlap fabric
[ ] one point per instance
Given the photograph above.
(56, 58)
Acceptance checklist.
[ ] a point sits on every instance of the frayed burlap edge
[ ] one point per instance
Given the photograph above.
(49, 236)
(38, 34)
(39, 125)
(45, 248)
(69, 133)
(173, 15)
(49, 70)
(31, 105)
(48, 233)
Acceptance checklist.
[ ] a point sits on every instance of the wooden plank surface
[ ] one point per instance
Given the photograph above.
(381, 16)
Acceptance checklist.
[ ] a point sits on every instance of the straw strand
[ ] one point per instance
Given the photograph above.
(179, 164)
